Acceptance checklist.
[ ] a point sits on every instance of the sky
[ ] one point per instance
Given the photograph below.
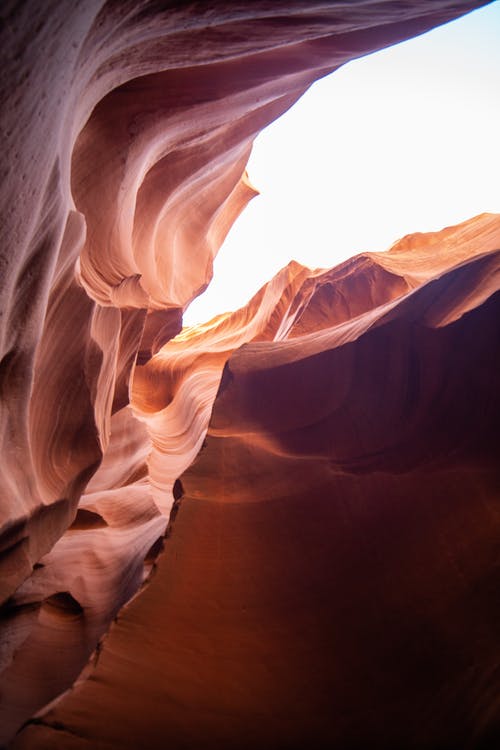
(404, 140)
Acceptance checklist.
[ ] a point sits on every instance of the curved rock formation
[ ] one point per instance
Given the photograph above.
(334, 546)
(344, 443)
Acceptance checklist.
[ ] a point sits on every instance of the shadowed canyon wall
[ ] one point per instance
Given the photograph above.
(320, 567)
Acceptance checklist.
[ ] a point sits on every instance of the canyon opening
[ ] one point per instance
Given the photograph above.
(398, 141)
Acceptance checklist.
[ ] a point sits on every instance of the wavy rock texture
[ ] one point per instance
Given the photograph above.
(329, 573)
(340, 516)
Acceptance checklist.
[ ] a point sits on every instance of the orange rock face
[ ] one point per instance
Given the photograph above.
(329, 567)
(329, 570)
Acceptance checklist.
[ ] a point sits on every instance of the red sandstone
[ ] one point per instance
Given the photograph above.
(329, 570)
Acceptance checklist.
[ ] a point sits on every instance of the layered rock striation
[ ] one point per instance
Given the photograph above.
(329, 558)
(330, 561)
(329, 572)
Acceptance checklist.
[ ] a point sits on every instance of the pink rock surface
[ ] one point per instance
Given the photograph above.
(329, 562)
(126, 131)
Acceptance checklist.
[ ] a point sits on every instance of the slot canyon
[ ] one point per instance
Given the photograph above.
(276, 530)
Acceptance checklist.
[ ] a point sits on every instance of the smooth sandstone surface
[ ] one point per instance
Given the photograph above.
(329, 567)
(330, 564)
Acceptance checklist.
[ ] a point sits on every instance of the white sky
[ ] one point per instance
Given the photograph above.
(403, 140)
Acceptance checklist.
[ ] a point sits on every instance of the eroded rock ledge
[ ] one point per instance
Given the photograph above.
(329, 575)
